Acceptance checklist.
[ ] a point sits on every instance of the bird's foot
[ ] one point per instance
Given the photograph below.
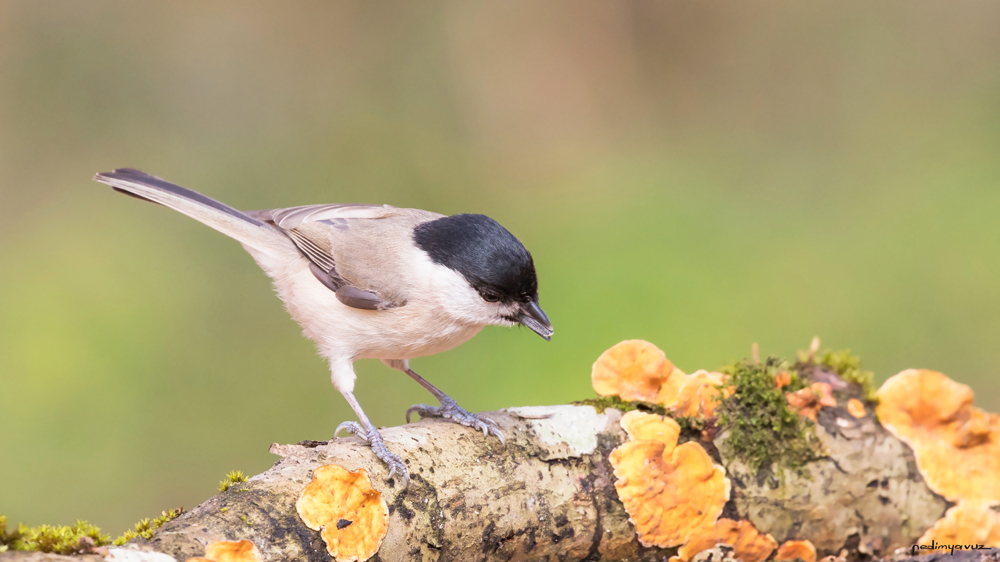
(374, 439)
(449, 409)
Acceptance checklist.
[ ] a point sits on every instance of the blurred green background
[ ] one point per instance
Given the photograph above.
(701, 175)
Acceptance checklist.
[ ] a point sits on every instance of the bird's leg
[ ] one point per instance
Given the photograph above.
(367, 431)
(449, 409)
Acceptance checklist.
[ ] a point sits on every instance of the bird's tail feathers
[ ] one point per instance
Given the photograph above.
(227, 220)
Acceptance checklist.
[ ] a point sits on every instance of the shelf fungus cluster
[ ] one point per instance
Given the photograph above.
(957, 450)
(749, 544)
(670, 491)
(774, 460)
(674, 493)
(636, 370)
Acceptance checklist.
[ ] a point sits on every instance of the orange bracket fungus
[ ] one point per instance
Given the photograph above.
(856, 408)
(782, 379)
(669, 490)
(636, 370)
(956, 446)
(351, 516)
(749, 545)
(651, 427)
(791, 550)
(809, 400)
(699, 394)
(957, 449)
(229, 551)
(969, 522)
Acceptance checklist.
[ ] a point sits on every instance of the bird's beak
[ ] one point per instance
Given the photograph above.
(535, 318)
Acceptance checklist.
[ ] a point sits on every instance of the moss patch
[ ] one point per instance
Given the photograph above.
(234, 477)
(762, 429)
(604, 402)
(82, 537)
(848, 367)
(691, 427)
(75, 539)
(61, 539)
(146, 527)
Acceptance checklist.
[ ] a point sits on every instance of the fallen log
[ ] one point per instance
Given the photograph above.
(642, 480)
(548, 494)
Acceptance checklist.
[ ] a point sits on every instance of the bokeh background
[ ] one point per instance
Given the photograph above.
(701, 175)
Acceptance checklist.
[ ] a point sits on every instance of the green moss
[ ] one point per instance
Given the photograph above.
(234, 477)
(691, 425)
(849, 368)
(60, 539)
(604, 402)
(146, 527)
(67, 539)
(762, 429)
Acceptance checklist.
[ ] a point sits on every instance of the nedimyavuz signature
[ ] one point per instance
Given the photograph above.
(949, 547)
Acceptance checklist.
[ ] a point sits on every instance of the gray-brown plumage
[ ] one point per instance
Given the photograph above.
(345, 242)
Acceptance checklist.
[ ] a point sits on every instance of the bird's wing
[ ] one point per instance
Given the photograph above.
(293, 217)
(358, 251)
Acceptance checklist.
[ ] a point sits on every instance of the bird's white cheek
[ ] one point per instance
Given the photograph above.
(470, 306)
(466, 304)
(476, 310)
(451, 294)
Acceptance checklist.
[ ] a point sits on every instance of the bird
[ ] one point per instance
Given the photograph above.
(368, 281)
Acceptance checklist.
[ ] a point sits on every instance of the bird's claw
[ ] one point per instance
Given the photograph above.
(449, 409)
(374, 440)
(353, 428)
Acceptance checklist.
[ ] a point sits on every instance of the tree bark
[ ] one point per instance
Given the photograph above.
(549, 494)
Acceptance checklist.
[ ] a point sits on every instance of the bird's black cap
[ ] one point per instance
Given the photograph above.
(493, 261)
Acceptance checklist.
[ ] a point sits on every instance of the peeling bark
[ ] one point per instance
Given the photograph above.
(550, 495)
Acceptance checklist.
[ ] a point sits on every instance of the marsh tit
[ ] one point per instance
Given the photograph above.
(375, 281)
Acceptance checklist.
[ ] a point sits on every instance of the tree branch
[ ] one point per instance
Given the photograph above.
(550, 494)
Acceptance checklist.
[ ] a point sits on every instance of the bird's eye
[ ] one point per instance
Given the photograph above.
(490, 296)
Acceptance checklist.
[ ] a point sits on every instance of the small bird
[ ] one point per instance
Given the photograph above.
(376, 282)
